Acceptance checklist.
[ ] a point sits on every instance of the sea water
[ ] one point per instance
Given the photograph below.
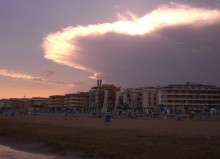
(9, 153)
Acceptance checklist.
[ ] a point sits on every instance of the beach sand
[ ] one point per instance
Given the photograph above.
(89, 137)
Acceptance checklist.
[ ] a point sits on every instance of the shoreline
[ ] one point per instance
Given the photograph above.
(7, 152)
(33, 148)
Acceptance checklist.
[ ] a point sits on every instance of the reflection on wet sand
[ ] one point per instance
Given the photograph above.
(8, 153)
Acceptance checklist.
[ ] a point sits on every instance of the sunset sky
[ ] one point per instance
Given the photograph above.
(50, 47)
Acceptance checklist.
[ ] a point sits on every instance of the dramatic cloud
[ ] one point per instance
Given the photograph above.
(172, 55)
(13, 74)
(172, 42)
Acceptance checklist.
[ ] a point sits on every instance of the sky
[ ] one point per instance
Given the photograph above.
(54, 47)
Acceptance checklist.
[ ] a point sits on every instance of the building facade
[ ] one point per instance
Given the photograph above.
(103, 97)
(56, 103)
(10, 104)
(141, 97)
(77, 101)
(24, 105)
(189, 96)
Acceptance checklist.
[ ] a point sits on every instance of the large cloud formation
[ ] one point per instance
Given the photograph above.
(173, 43)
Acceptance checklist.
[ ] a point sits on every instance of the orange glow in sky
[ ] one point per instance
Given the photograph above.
(168, 43)
(12, 74)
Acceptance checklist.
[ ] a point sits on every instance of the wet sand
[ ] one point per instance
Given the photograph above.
(9, 153)
(87, 137)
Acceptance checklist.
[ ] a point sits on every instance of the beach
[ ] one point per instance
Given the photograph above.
(84, 136)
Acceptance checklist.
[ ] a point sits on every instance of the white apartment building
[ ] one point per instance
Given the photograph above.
(189, 96)
(77, 101)
(56, 102)
(23, 104)
(10, 104)
(141, 97)
(33, 104)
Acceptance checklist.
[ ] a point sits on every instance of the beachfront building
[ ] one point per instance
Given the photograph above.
(189, 96)
(39, 104)
(103, 97)
(3, 104)
(76, 102)
(141, 97)
(34, 104)
(10, 104)
(23, 105)
(56, 103)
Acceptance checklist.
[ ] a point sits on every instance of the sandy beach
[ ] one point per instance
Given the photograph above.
(89, 137)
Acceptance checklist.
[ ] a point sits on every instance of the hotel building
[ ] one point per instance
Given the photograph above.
(142, 97)
(56, 102)
(77, 101)
(10, 104)
(189, 96)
